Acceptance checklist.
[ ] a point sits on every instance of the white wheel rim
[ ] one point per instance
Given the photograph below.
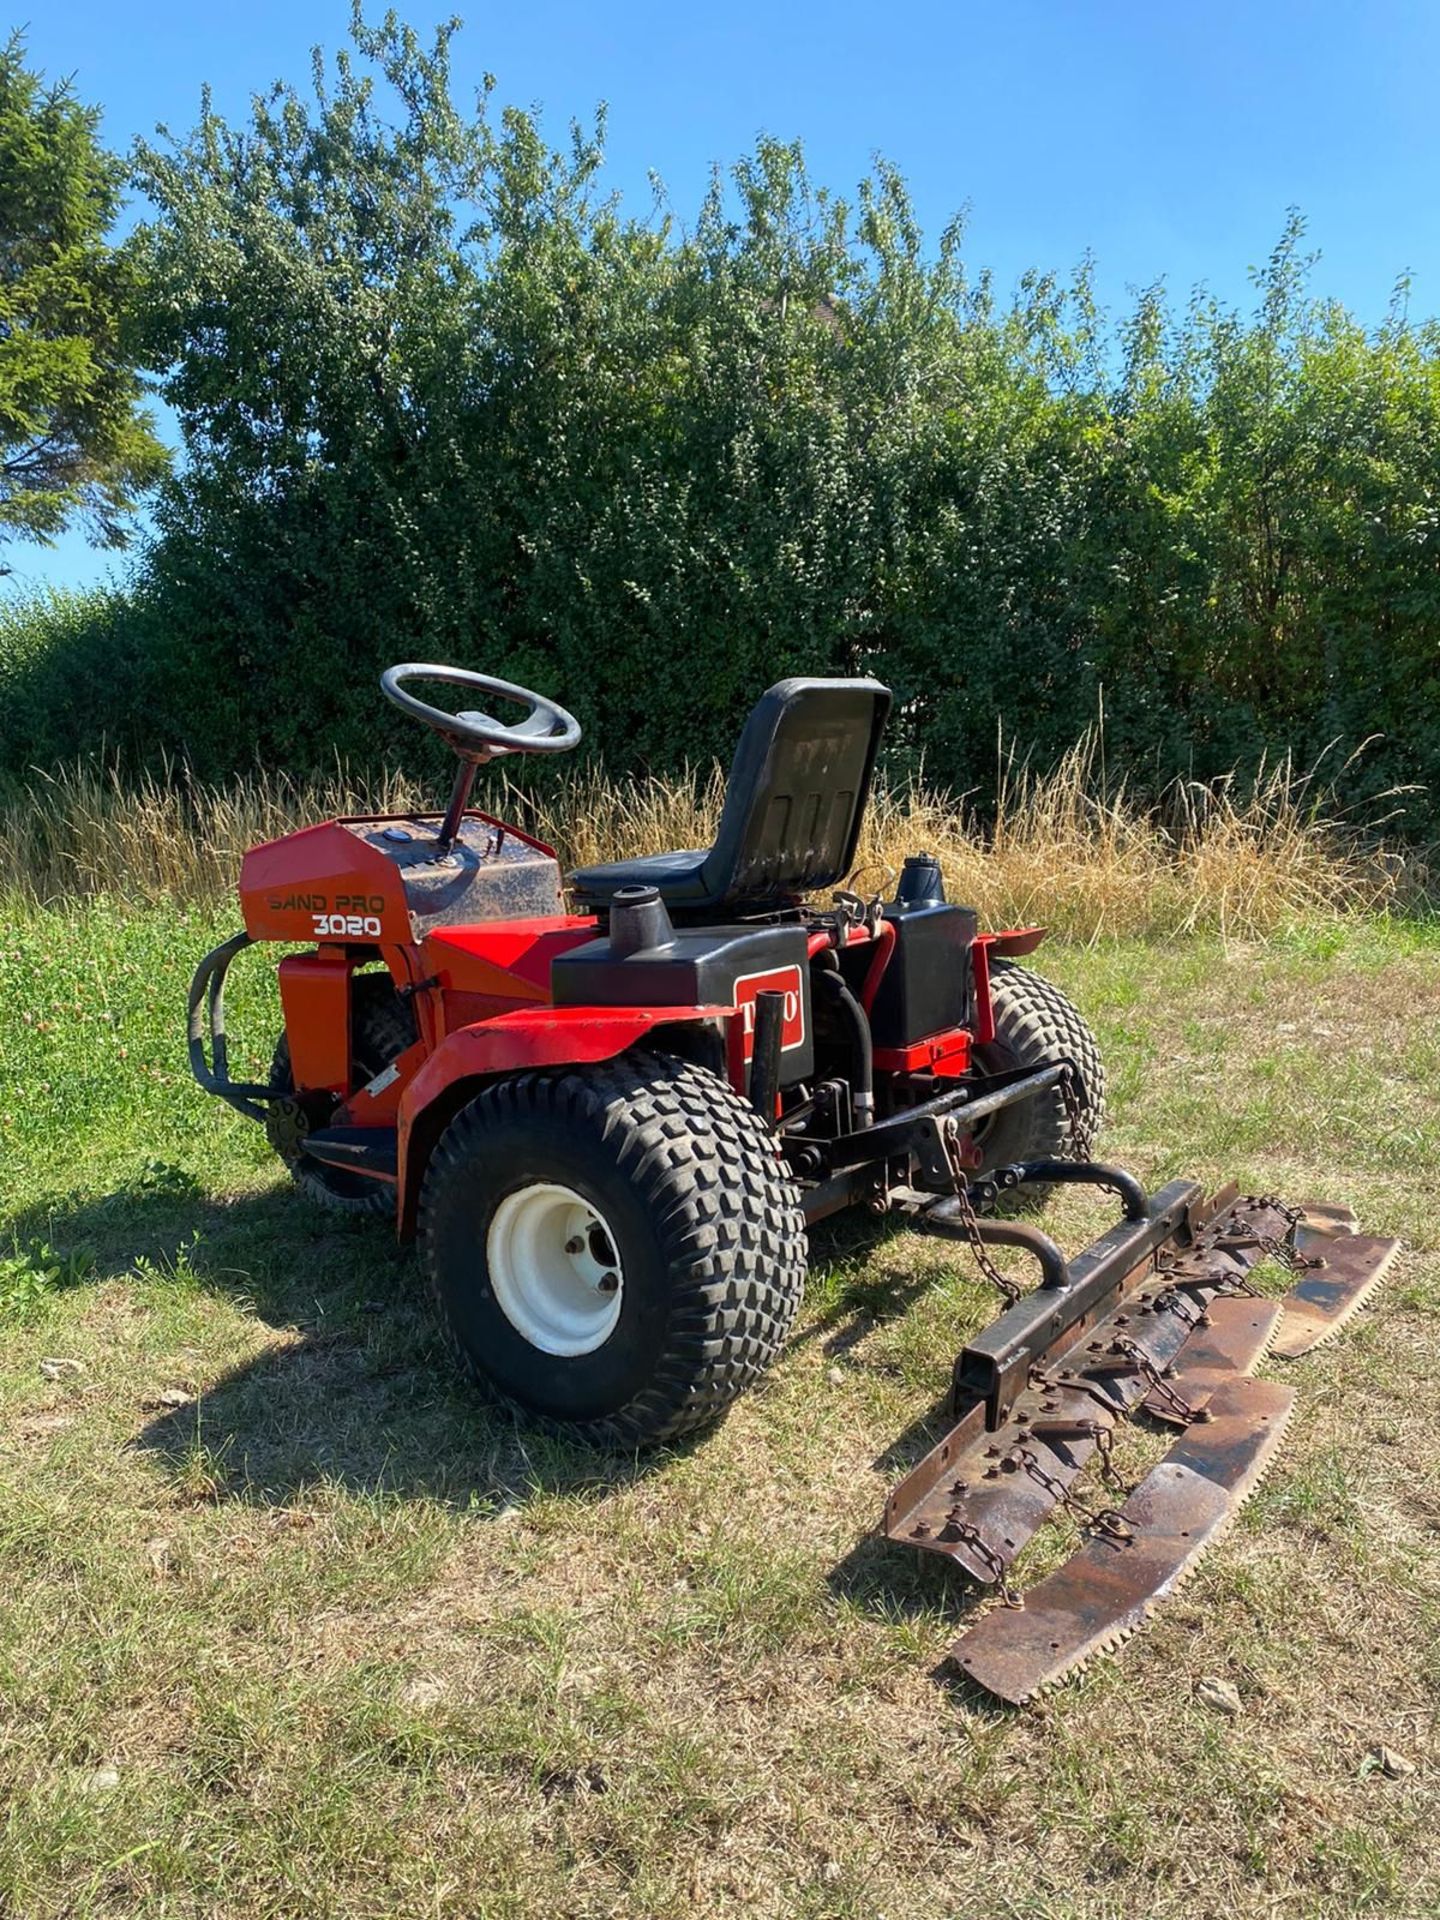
(555, 1269)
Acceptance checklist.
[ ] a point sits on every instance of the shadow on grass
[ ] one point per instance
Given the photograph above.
(290, 1263)
(364, 1395)
(869, 1293)
(333, 1412)
(884, 1579)
(879, 1576)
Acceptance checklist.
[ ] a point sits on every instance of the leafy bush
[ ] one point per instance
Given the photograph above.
(441, 398)
(77, 675)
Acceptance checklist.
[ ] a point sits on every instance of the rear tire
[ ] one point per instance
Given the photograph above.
(1036, 1026)
(615, 1250)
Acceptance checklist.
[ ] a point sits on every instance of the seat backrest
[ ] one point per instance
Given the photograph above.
(797, 790)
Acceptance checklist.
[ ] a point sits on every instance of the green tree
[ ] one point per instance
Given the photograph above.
(438, 392)
(441, 396)
(74, 439)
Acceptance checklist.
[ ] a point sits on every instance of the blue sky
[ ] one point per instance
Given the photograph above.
(1166, 139)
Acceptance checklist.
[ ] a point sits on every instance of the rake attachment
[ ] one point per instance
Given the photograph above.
(1158, 1317)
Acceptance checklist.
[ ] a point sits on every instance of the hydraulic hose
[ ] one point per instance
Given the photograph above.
(852, 1014)
(875, 972)
(206, 1008)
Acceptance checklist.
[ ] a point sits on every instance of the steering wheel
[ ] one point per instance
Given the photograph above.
(546, 727)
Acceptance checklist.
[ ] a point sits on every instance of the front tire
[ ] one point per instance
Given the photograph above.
(382, 1026)
(1036, 1026)
(615, 1250)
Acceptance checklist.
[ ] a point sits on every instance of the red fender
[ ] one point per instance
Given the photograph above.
(515, 1043)
(1014, 941)
(1017, 940)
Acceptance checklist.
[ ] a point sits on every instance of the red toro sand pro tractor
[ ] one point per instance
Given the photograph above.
(609, 1107)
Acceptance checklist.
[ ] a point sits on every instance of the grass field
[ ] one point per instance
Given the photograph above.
(294, 1625)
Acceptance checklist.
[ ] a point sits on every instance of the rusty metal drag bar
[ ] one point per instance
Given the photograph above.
(995, 1365)
(1149, 1546)
(1176, 1333)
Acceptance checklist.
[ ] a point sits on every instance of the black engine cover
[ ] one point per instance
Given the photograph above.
(704, 966)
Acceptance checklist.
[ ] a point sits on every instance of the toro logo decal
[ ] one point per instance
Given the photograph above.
(784, 980)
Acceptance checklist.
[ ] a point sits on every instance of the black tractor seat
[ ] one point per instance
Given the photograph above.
(794, 805)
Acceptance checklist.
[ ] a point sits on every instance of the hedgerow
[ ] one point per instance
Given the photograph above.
(440, 397)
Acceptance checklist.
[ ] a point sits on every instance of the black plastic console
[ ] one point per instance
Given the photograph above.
(703, 966)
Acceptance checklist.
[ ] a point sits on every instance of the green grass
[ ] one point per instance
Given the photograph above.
(295, 1625)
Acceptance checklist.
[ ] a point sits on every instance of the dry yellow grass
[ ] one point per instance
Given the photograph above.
(1066, 848)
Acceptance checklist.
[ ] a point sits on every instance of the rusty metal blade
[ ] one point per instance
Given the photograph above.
(1326, 1219)
(1320, 1303)
(981, 1493)
(1173, 1336)
(979, 1503)
(979, 1496)
(1109, 1588)
(1231, 1342)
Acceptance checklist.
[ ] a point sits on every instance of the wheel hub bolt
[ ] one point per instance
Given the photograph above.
(574, 1244)
(609, 1282)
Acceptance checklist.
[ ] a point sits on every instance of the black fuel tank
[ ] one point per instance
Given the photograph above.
(927, 987)
(705, 966)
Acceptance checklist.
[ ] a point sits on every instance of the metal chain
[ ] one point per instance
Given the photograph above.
(1072, 1112)
(1101, 1432)
(966, 1534)
(1284, 1252)
(1003, 1285)
(1286, 1255)
(1156, 1380)
(1105, 1454)
(1225, 1285)
(1188, 1312)
(1291, 1215)
(1106, 1520)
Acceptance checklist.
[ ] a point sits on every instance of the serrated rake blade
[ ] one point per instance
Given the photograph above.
(1322, 1300)
(1230, 1342)
(1110, 1587)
